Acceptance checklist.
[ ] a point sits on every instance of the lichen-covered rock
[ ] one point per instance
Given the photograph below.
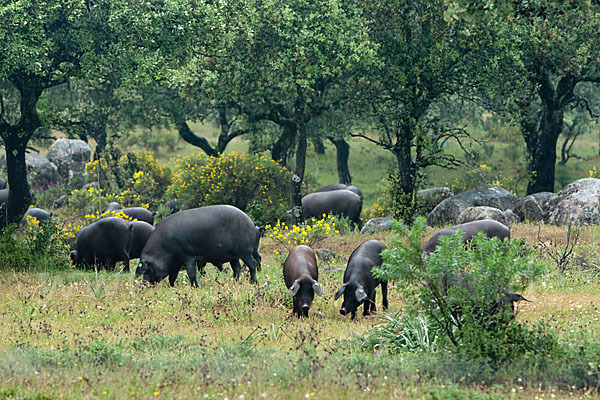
(427, 199)
(480, 213)
(328, 256)
(510, 217)
(41, 171)
(377, 224)
(533, 207)
(576, 203)
(70, 156)
(447, 212)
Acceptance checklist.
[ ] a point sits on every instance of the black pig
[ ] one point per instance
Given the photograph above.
(215, 234)
(300, 274)
(359, 283)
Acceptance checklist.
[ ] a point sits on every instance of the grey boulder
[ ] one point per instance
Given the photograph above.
(576, 203)
(377, 224)
(533, 207)
(479, 213)
(70, 157)
(427, 199)
(448, 211)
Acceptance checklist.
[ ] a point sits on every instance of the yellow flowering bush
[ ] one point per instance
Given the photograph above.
(89, 200)
(46, 238)
(255, 184)
(310, 232)
(593, 172)
(93, 217)
(132, 179)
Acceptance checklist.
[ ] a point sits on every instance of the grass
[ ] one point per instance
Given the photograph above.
(76, 334)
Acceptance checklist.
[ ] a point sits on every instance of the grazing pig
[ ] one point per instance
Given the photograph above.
(359, 283)
(215, 234)
(489, 227)
(139, 213)
(496, 305)
(103, 242)
(39, 214)
(340, 186)
(300, 274)
(141, 232)
(3, 196)
(342, 203)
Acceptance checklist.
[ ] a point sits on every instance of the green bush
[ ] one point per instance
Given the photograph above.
(254, 184)
(38, 247)
(133, 179)
(457, 289)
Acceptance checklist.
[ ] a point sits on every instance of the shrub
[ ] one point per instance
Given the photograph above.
(252, 183)
(134, 179)
(39, 247)
(309, 232)
(458, 288)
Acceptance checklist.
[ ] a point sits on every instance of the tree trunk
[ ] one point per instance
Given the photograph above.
(19, 195)
(281, 148)
(186, 134)
(404, 187)
(298, 177)
(541, 141)
(15, 140)
(342, 153)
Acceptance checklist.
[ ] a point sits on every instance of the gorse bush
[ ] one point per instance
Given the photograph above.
(460, 289)
(254, 184)
(310, 232)
(39, 247)
(133, 179)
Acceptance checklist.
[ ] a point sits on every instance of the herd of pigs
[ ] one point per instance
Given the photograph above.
(220, 234)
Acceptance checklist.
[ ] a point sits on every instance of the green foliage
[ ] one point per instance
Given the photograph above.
(399, 333)
(40, 247)
(134, 179)
(460, 290)
(254, 184)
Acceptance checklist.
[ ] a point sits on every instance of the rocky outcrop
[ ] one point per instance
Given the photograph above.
(447, 212)
(427, 199)
(479, 213)
(576, 203)
(41, 172)
(377, 225)
(533, 207)
(70, 156)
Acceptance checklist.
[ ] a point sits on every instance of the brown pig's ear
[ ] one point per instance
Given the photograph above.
(360, 294)
(340, 291)
(295, 287)
(317, 288)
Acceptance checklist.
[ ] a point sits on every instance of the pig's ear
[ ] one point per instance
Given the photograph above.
(360, 294)
(317, 288)
(340, 292)
(514, 297)
(295, 287)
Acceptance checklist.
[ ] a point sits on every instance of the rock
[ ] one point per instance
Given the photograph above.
(40, 171)
(377, 225)
(510, 217)
(533, 207)
(576, 203)
(70, 156)
(328, 256)
(479, 213)
(447, 212)
(61, 201)
(427, 199)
